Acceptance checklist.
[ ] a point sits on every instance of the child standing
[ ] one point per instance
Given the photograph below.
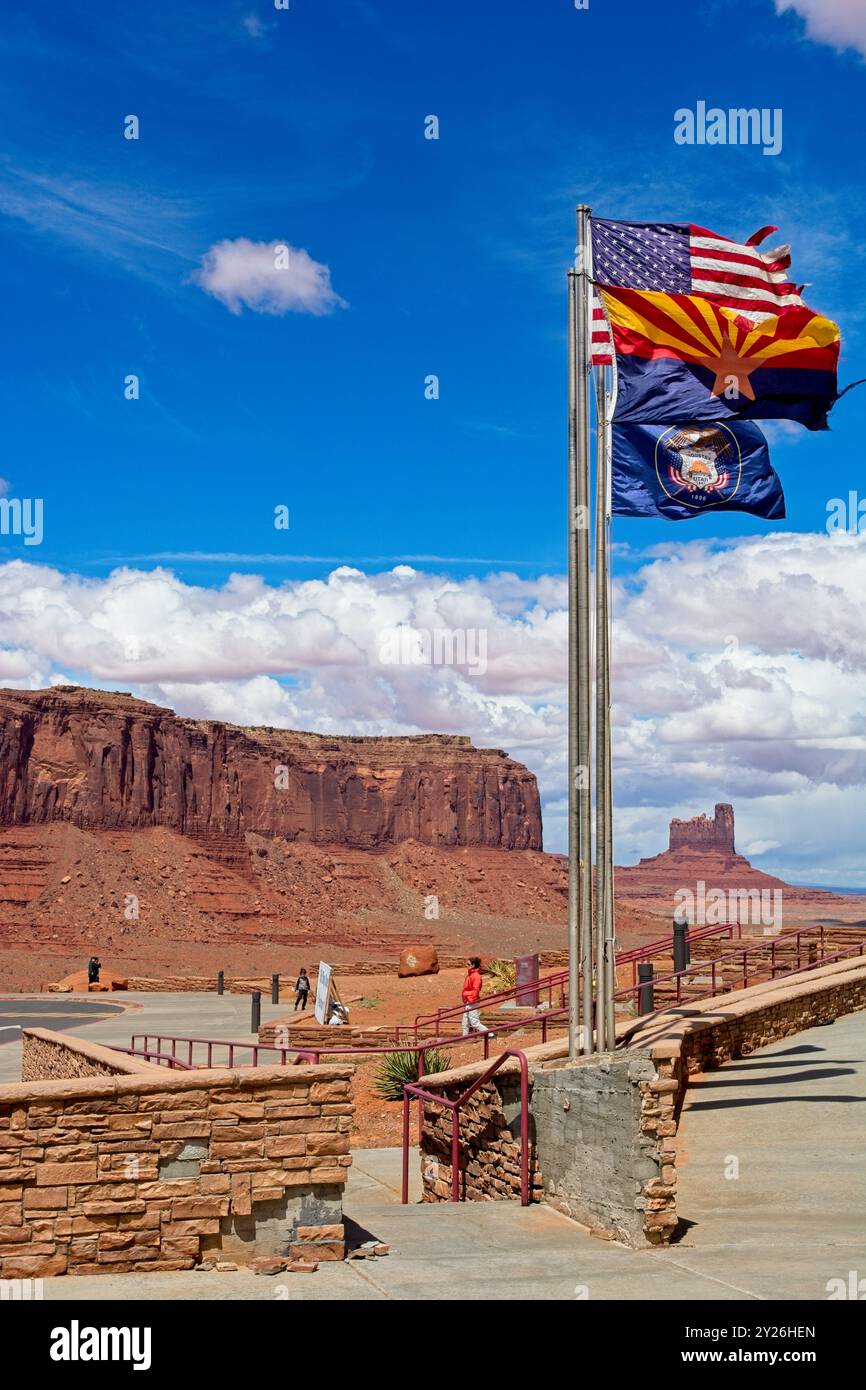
(302, 990)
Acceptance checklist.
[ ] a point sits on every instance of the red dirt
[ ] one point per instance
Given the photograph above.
(378, 1123)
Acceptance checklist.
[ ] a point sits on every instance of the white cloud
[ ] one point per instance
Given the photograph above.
(841, 23)
(269, 277)
(739, 671)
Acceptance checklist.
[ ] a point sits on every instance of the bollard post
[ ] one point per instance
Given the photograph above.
(275, 989)
(645, 993)
(221, 980)
(256, 1011)
(681, 946)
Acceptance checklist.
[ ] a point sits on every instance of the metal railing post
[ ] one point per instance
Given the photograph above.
(680, 946)
(405, 1195)
(645, 994)
(455, 1154)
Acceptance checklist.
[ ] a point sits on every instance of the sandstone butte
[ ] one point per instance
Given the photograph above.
(108, 761)
(700, 848)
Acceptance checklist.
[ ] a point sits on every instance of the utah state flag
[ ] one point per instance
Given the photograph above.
(679, 471)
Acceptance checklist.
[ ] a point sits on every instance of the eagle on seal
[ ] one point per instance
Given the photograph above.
(697, 451)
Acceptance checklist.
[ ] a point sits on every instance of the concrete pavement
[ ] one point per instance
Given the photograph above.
(771, 1180)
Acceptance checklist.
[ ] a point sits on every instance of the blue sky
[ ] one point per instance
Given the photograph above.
(306, 126)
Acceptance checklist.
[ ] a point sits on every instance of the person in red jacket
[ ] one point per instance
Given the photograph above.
(471, 995)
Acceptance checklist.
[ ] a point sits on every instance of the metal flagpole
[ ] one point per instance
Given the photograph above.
(573, 845)
(573, 837)
(602, 722)
(580, 707)
(609, 909)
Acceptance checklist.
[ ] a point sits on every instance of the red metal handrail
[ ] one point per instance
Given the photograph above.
(758, 948)
(413, 1089)
(315, 1054)
(170, 1061)
(211, 1043)
(559, 979)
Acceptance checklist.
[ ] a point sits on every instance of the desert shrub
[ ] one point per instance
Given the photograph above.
(502, 975)
(397, 1068)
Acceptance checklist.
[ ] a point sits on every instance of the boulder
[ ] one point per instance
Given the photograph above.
(78, 983)
(418, 960)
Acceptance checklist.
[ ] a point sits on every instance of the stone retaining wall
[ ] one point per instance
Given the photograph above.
(603, 1129)
(203, 984)
(311, 1035)
(49, 1056)
(489, 1146)
(160, 1169)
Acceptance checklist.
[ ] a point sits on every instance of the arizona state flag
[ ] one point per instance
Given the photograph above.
(681, 357)
(679, 471)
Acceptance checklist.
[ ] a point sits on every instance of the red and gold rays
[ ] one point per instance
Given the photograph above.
(650, 324)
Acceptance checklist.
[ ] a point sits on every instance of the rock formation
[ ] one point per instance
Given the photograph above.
(698, 849)
(705, 836)
(107, 761)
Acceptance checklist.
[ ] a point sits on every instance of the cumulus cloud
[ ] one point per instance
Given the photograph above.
(738, 674)
(269, 277)
(841, 23)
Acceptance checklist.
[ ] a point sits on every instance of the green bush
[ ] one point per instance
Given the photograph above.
(398, 1068)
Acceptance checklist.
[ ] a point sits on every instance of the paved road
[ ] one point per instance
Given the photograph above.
(792, 1116)
(189, 1015)
(57, 1012)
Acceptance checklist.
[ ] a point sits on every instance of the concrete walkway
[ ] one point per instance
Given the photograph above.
(793, 1119)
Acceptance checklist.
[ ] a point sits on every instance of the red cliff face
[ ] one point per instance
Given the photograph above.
(107, 761)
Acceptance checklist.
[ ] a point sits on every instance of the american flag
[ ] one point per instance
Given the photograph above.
(680, 258)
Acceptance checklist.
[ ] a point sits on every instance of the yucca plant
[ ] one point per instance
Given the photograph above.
(397, 1068)
(502, 975)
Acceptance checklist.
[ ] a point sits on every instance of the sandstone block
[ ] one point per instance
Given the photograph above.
(34, 1266)
(329, 1091)
(319, 1250)
(326, 1176)
(200, 1227)
(241, 1200)
(327, 1144)
(192, 1208)
(113, 1208)
(307, 1233)
(60, 1174)
(45, 1198)
(286, 1146)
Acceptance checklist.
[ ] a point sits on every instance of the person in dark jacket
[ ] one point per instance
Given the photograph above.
(93, 967)
(302, 990)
